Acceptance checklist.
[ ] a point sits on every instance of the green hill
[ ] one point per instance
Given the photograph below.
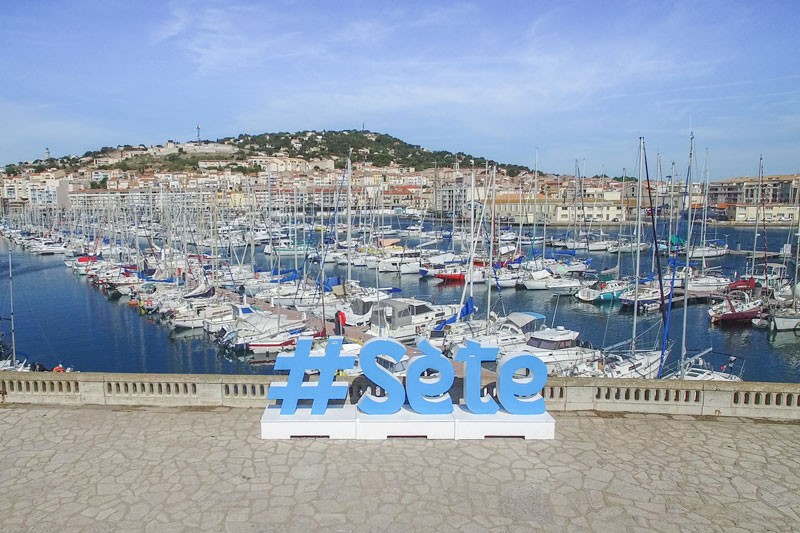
(376, 148)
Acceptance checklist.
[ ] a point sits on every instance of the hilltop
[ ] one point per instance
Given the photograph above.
(379, 149)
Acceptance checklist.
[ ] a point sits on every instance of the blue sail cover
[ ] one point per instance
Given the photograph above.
(675, 263)
(291, 275)
(330, 283)
(467, 309)
(650, 277)
(515, 261)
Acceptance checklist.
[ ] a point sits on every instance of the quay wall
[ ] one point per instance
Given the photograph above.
(709, 398)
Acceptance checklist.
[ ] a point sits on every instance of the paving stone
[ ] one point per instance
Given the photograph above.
(142, 469)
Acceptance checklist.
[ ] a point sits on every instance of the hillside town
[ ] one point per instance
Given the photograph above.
(221, 176)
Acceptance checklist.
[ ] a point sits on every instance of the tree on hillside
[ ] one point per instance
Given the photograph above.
(382, 160)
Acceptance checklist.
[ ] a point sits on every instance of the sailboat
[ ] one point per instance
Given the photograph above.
(627, 359)
(788, 318)
(742, 305)
(695, 368)
(608, 288)
(771, 276)
(707, 248)
(694, 278)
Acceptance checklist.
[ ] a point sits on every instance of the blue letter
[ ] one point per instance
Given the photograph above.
(473, 354)
(429, 396)
(395, 395)
(518, 395)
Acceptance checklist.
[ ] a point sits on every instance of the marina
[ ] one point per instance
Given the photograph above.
(351, 266)
(106, 333)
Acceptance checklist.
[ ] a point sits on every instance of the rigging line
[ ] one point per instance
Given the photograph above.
(678, 232)
(605, 330)
(655, 241)
(764, 226)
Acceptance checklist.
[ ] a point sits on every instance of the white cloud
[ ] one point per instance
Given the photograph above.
(30, 127)
(214, 38)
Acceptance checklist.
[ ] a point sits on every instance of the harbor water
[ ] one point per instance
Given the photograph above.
(61, 318)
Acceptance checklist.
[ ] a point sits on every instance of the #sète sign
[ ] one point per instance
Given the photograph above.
(426, 396)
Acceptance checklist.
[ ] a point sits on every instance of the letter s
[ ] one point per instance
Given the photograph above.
(395, 394)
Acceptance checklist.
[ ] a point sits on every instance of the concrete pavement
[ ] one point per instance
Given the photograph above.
(180, 469)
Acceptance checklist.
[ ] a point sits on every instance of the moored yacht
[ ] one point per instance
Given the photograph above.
(558, 348)
(404, 318)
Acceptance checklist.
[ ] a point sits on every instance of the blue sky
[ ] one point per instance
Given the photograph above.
(575, 80)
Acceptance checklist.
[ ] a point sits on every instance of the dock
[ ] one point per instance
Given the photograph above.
(759, 254)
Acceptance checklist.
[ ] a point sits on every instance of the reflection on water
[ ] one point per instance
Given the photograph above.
(786, 346)
(178, 335)
(733, 336)
(593, 310)
(784, 340)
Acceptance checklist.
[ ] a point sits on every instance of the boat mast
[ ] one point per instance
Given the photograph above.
(638, 242)
(491, 270)
(622, 213)
(545, 211)
(535, 204)
(687, 247)
(755, 226)
(703, 225)
(796, 258)
(349, 216)
(670, 193)
(472, 242)
(11, 297)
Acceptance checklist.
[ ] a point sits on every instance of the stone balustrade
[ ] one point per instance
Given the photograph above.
(742, 399)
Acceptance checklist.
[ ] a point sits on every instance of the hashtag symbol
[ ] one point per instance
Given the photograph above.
(321, 391)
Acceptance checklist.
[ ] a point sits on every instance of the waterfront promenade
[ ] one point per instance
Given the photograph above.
(126, 468)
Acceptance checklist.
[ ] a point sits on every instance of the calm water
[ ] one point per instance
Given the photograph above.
(60, 318)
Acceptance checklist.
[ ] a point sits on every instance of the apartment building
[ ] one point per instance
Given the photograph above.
(747, 190)
(47, 190)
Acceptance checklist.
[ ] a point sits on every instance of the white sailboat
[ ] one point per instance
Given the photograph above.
(707, 249)
(788, 318)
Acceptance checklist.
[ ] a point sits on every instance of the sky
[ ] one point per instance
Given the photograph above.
(576, 82)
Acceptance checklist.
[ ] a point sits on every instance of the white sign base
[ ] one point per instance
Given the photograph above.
(336, 423)
(502, 424)
(404, 423)
(346, 422)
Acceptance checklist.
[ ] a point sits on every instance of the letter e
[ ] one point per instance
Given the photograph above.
(429, 396)
(521, 396)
